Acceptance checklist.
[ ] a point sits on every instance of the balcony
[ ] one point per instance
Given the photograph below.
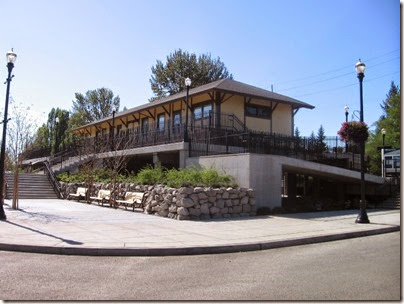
(213, 135)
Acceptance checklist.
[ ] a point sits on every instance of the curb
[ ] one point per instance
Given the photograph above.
(193, 250)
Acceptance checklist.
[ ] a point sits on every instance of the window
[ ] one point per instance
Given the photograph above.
(389, 162)
(177, 118)
(118, 129)
(161, 122)
(206, 110)
(201, 112)
(145, 125)
(198, 113)
(258, 111)
(396, 161)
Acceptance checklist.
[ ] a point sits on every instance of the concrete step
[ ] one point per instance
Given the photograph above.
(30, 186)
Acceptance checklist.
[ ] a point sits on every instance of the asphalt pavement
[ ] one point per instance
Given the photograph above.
(69, 227)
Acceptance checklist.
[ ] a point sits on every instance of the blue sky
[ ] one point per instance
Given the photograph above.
(306, 49)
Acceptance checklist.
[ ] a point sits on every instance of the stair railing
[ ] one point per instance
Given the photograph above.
(52, 178)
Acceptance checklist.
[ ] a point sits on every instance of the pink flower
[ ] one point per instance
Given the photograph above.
(354, 132)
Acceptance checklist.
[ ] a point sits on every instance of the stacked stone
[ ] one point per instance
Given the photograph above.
(190, 203)
(186, 203)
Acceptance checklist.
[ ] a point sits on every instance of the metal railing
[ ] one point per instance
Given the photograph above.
(330, 151)
(52, 178)
(207, 137)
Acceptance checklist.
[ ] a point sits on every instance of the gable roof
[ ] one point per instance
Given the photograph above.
(223, 85)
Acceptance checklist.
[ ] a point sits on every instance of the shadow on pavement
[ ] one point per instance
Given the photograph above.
(329, 215)
(70, 242)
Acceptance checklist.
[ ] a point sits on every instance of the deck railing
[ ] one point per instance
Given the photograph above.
(207, 137)
(330, 151)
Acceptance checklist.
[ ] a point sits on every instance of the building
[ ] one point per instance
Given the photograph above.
(391, 160)
(240, 129)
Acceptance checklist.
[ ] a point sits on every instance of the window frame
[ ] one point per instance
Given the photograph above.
(145, 125)
(202, 106)
(176, 114)
(258, 109)
(159, 117)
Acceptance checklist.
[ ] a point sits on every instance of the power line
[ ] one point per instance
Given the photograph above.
(345, 86)
(335, 77)
(336, 70)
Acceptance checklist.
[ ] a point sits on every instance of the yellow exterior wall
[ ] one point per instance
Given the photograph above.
(282, 120)
(281, 117)
(258, 124)
(235, 105)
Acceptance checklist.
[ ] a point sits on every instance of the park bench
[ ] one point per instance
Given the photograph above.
(103, 197)
(134, 199)
(80, 194)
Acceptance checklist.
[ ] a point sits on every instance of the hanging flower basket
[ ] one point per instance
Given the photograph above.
(354, 132)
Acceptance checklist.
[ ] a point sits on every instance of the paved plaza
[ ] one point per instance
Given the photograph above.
(69, 227)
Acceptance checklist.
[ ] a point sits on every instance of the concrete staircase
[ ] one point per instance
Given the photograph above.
(31, 186)
(393, 202)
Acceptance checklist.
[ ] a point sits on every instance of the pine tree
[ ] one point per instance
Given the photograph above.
(168, 79)
(391, 122)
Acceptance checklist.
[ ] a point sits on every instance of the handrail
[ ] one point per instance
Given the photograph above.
(241, 124)
(52, 178)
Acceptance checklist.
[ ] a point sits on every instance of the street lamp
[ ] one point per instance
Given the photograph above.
(383, 162)
(114, 110)
(187, 84)
(11, 57)
(362, 216)
(56, 135)
(346, 109)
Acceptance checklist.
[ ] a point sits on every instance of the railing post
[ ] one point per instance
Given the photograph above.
(207, 141)
(227, 144)
(336, 146)
(168, 130)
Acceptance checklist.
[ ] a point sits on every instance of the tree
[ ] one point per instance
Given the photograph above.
(312, 141)
(21, 134)
(168, 79)
(320, 140)
(391, 122)
(54, 136)
(42, 139)
(94, 105)
(58, 123)
(297, 132)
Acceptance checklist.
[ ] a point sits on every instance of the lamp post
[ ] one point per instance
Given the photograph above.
(11, 57)
(187, 84)
(362, 216)
(383, 162)
(114, 110)
(346, 109)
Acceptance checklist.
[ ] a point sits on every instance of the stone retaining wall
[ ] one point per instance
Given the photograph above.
(186, 203)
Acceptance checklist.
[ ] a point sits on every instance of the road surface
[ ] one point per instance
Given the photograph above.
(365, 268)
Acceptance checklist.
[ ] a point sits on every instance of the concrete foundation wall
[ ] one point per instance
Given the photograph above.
(259, 172)
(264, 173)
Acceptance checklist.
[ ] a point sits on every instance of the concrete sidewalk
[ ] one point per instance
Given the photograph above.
(68, 227)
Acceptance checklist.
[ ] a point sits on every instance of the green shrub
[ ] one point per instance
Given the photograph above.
(150, 176)
(194, 177)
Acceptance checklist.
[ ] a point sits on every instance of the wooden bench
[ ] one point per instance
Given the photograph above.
(134, 199)
(103, 197)
(80, 194)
